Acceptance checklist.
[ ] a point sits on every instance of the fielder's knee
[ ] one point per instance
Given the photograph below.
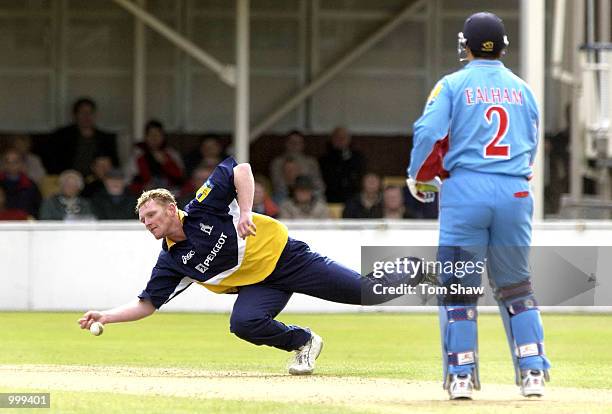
(245, 327)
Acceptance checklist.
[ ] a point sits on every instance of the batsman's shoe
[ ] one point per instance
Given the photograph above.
(304, 361)
(461, 387)
(532, 383)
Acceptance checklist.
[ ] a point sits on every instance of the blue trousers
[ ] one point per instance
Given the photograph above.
(486, 216)
(299, 270)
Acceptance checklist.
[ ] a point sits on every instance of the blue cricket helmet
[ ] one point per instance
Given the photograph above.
(484, 33)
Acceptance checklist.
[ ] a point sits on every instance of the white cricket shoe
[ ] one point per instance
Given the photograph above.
(304, 361)
(461, 387)
(532, 383)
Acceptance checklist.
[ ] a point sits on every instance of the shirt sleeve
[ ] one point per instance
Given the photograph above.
(218, 191)
(164, 286)
(430, 141)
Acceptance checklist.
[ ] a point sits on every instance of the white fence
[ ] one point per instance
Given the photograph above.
(80, 266)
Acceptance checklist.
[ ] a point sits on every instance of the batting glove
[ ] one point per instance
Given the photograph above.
(426, 191)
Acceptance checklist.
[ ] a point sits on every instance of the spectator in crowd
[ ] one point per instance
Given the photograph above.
(303, 203)
(294, 150)
(7, 213)
(68, 204)
(291, 171)
(262, 202)
(368, 203)
(21, 192)
(115, 202)
(33, 166)
(75, 146)
(342, 167)
(94, 182)
(393, 203)
(209, 153)
(155, 164)
(191, 186)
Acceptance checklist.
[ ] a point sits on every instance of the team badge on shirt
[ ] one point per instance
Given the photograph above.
(434, 93)
(203, 191)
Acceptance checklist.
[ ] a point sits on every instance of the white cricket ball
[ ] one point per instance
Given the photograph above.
(96, 329)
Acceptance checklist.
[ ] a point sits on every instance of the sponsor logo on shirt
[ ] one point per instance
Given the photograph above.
(205, 265)
(188, 256)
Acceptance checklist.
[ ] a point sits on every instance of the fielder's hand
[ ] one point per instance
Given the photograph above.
(425, 192)
(246, 227)
(89, 318)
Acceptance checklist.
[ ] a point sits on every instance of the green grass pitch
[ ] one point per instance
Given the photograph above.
(368, 345)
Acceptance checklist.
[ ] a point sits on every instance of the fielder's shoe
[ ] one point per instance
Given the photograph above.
(461, 387)
(304, 360)
(532, 383)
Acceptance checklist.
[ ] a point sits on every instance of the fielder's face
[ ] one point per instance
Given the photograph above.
(157, 217)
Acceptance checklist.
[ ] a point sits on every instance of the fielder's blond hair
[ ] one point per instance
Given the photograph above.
(160, 195)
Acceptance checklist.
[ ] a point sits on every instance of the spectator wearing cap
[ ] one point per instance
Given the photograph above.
(307, 165)
(68, 205)
(303, 204)
(115, 202)
(76, 145)
(21, 192)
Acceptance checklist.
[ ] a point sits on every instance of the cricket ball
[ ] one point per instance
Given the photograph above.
(96, 329)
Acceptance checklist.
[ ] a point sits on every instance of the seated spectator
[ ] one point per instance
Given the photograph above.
(191, 186)
(115, 202)
(68, 204)
(291, 170)
(10, 213)
(303, 203)
(342, 168)
(94, 182)
(294, 150)
(33, 166)
(262, 202)
(368, 203)
(209, 153)
(75, 146)
(154, 164)
(393, 203)
(21, 192)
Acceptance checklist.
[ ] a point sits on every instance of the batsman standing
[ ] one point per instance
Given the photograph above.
(219, 243)
(478, 132)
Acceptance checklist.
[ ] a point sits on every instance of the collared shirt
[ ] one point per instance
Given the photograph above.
(213, 255)
(481, 118)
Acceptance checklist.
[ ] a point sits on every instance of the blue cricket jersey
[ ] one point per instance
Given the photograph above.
(213, 255)
(481, 118)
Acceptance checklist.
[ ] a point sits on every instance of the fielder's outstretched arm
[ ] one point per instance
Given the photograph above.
(125, 313)
(245, 190)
